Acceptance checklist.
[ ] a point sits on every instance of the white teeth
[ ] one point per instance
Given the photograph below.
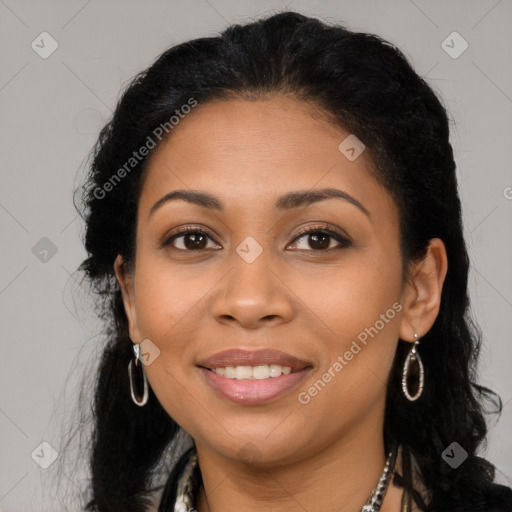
(275, 370)
(229, 372)
(263, 371)
(243, 372)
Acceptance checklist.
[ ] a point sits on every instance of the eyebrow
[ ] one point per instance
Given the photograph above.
(288, 201)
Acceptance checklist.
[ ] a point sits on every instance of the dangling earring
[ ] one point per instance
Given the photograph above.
(140, 377)
(416, 374)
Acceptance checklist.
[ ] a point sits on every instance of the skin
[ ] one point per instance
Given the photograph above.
(326, 455)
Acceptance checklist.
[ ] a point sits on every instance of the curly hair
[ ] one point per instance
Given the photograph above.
(366, 86)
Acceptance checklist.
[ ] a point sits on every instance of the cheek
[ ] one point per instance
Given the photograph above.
(359, 309)
(351, 296)
(168, 309)
(164, 298)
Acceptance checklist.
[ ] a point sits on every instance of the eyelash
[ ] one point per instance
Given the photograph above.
(324, 230)
(341, 239)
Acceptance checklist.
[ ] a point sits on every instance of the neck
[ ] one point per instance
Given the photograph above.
(338, 479)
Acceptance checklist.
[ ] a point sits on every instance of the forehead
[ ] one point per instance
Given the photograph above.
(250, 152)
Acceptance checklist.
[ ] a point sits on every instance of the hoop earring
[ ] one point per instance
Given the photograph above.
(417, 374)
(140, 377)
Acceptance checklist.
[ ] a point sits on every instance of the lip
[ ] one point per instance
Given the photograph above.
(241, 357)
(254, 392)
(257, 391)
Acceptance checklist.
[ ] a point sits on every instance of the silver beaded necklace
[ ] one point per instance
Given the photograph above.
(377, 495)
(188, 486)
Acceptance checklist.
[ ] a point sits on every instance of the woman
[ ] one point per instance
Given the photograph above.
(273, 215)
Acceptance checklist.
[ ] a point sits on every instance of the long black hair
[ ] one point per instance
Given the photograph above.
(365, 85)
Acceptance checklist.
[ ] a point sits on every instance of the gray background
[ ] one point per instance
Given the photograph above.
(52, 109)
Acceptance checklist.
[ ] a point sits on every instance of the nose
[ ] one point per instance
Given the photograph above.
(252, 295)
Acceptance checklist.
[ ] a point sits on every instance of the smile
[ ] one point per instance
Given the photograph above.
(253, 377)
(263, 371)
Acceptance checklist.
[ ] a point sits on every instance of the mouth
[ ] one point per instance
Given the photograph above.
(253, 377)
(259, 372)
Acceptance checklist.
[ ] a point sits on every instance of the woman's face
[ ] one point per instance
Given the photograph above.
(329, 301)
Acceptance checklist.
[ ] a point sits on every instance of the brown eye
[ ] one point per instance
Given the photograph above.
(191, 240)
(319, 240)
(194, 241)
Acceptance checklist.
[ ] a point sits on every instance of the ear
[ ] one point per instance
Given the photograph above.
(421, 297)
(126, 281)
